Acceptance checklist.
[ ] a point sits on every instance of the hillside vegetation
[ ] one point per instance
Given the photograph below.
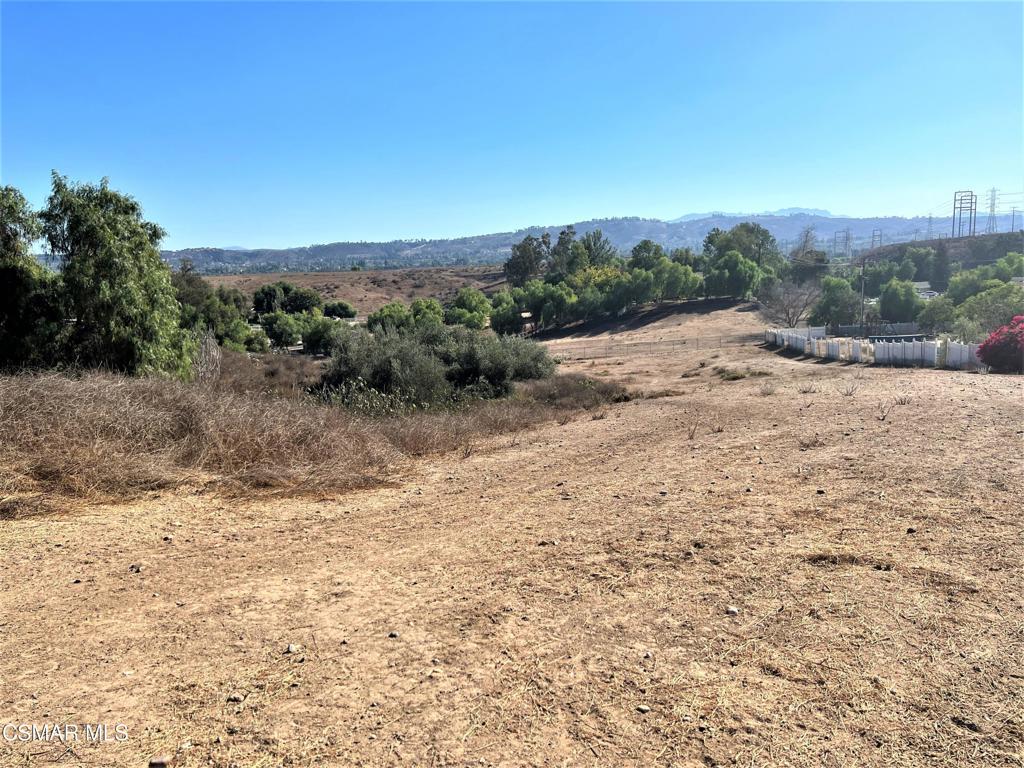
(624, 233)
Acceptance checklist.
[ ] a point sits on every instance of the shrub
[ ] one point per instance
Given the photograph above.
(899, 302)
(994, 307)
(257, 341)
(320, 335)
(339, 308)
(937, 316)
(302, 300)
(283, 330)
(433, 364)
(427, 311)
(394, 316)
(391, 362)
(470, 308)
(1003, 350)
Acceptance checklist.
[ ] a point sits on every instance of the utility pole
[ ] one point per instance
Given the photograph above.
(965, 211)
(863, 261)
(990, 225)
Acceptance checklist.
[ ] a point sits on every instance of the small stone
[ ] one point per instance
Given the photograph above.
(749, 489)
(135, 567)
(663, 493)
(293, 648)
(392, 634)
(732, 610)
(647, 655)
(77, 581)
(236, 698)
(911, 530)
(161, 761)
(821, 491)
(643, 709)
(168, 539)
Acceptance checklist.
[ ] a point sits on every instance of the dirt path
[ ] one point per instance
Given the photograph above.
(563, 597)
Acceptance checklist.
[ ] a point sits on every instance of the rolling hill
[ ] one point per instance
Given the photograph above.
(624, 232)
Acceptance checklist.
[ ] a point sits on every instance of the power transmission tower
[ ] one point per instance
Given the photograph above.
(876, 238)
(929, 226)
(1013, 220)
(990, 225)
(965, 211)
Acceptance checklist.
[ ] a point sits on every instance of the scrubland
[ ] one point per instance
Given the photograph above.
(752, 560)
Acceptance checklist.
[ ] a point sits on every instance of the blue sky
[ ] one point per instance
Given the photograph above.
(264, 124)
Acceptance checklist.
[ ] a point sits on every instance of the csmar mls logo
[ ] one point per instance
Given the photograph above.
(64, 732)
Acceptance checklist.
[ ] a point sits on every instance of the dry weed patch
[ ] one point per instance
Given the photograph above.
(103, 437)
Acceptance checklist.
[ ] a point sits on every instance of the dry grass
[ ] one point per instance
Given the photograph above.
(104, 437)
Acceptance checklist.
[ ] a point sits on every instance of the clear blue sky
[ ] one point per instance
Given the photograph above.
(260, 124)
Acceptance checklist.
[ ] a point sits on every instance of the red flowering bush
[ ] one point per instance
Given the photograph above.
(1003, 350)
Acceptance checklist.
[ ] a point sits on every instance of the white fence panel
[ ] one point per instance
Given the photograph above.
(918, 353)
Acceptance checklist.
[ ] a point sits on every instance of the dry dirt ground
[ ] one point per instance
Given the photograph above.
(369, 290)
(814, 565)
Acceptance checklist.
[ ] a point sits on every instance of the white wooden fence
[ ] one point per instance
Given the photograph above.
(930, 354)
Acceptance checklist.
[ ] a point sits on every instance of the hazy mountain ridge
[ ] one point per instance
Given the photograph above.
(624, 232)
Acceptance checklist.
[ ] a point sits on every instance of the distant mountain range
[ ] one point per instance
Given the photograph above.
(786, 225)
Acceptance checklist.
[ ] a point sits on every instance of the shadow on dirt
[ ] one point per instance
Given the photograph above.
(643, 316)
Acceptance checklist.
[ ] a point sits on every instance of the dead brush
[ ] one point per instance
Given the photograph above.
(811, 441)
(692, 431)
(849, 389)
(767, 388)
(807, 388)
(885, 408)
(105, 437)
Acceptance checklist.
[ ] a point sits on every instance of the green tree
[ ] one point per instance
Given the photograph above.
(924, 260)
(393, 316)
(838, 304)
(282, 329)
(268, 298)
(688, 258)
(941, 270)
(302, 300)
(560, 261)
(876, 276)
(674, 280)
(506, 314)
(906, 270)
(426, 312)
(115, 285)
(968, 283)
(645, 255)
(732, 275)
(30, 311)
(600, 251)
(339, 308)
(899, 302)
(470, 308)
(528, 256)
(995, 306)
(320, 335)
(938, 315)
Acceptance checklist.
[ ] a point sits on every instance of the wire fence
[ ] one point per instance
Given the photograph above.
(595, 349)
